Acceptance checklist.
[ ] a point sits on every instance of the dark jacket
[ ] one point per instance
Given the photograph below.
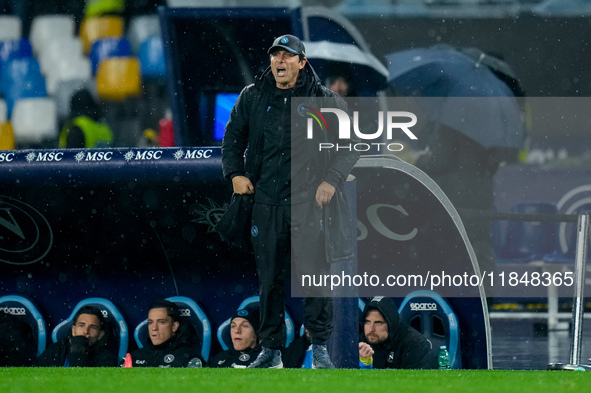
(75, 352)
(246, 128)
(235, 359)
(17, 343)
(405, 347)
(175, 352)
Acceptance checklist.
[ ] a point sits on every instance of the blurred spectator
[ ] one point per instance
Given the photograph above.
(84, 129)
(340, 79)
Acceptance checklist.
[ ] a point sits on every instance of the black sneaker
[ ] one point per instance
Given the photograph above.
(268, 358)
(320, 358)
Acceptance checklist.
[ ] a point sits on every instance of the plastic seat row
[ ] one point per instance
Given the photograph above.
(547, 241)
(63, 60)
(96, 25)
(130, 64)
(190, 311)
(438, 324)
(33, 123)
(117, 79)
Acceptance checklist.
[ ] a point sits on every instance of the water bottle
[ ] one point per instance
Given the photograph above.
(195, 363)
(444, 360)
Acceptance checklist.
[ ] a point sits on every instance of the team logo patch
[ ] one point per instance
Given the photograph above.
(242, 313)
(284, 40)
(391, 357)
(244, 357)
(26, 236)
(169, 358)
(254, 231)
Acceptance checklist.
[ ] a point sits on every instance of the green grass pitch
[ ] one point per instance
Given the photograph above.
(62, 380)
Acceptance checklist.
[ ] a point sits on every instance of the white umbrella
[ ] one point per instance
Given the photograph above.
(369, 74)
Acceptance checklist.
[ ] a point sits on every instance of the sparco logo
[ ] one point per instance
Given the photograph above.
(394, 120)
(25, 234)
(423, 306)
(14, 310)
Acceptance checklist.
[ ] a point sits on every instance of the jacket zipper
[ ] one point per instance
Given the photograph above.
(277, 186)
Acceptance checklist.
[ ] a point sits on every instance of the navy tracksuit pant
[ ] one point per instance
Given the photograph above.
(272, 239)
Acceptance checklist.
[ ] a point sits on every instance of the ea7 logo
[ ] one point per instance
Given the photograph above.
(393, 120)
(185, 312)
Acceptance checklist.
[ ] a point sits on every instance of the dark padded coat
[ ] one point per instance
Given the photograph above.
(245, 129)
(75, 352)
(235, 359)
(177, 351)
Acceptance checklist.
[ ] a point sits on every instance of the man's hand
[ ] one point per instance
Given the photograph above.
(242, 185)
(324, 194)
(365, 351)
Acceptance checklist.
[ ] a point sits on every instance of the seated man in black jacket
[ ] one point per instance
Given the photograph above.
(171, 342)
(245, 347)
(388, 343)
(87, 347)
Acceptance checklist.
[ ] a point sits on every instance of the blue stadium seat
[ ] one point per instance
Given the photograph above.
(427, 312)
(193, 315)
(224, 329)
(567, 234)
(28, 313)
(108, 47)
(113, 318)
(21, 78)
(14, 49)
(17, 69)
(151, 57)
(361, 304)
(527, 241)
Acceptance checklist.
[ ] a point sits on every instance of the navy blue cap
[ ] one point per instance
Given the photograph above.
(251, 314)
(290, 43)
